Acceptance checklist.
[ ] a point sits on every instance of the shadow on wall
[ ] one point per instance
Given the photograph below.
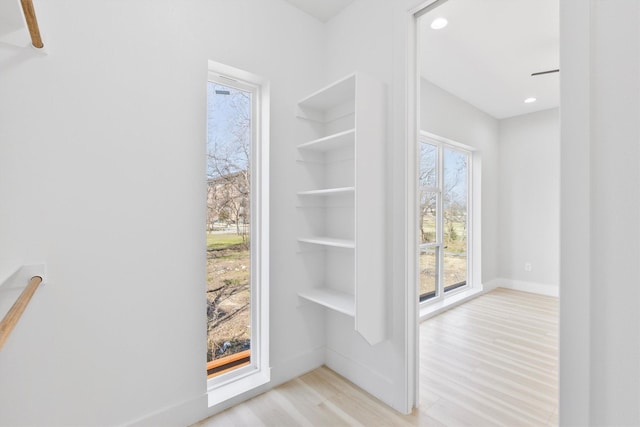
(12, 55)
(11, 19)
(15, 44)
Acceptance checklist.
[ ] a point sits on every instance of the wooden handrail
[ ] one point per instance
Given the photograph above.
(16, 310)
(32, 23)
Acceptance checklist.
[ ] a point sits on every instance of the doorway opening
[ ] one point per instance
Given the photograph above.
(480, 66)
(487, 89)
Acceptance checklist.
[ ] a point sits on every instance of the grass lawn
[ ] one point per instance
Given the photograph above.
(228, 295)
(222, 241)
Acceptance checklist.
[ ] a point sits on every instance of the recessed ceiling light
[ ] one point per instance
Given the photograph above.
(529, 100)
(439, 23)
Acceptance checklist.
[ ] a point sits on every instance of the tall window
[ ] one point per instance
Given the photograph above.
(236, 227)
(228, 226)
(444, 201)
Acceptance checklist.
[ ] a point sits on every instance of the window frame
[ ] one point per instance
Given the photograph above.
(258, 372)
(441, 144)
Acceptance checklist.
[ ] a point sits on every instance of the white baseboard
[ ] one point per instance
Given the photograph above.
(296, 366)
(533, 287)
(490, 285)
(369, 380)
(429, 310)
(184, 413)
(196, 409)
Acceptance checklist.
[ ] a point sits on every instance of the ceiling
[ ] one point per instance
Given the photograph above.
(485, 55)
(488, 50)
(323, 10)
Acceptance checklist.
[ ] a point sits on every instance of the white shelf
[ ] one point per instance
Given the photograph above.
(351, 114)
(332, 95)
(328, 241)
(327, 191)
(332, 299)
(331, 142)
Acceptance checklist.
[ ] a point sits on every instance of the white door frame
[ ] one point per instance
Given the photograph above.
(575, 280)
(404, 206)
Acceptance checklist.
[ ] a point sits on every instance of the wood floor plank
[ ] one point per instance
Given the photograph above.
(487, 402)
(490, 362)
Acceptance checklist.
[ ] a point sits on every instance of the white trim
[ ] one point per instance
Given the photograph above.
(187, 412)
(296, 366)
(236, 386)
(367, 378)
(288, 370)
(403, 207)
(406, 131)
(430, 310)
(196, 409)
(408, 118)
(441, 139)
(258, 373)
(533, 287)
(576, 58)
(490, 285)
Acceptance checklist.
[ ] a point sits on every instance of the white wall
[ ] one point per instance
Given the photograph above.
(379, 369)
(450, 117)
(600, 337)
(102, 176)
(600, 207)
(615, 207)
(529, 201)
(76, 129)
(520, 198)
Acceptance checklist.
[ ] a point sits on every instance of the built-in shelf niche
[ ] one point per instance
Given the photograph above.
(342, 201)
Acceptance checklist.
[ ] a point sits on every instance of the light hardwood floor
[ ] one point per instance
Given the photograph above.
(490, 362)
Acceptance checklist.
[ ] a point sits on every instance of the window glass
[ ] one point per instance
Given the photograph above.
(228, 228)
(443, 181)
(454, 200)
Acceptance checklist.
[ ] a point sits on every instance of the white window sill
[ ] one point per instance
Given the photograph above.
(430, 309)
(224, 391)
